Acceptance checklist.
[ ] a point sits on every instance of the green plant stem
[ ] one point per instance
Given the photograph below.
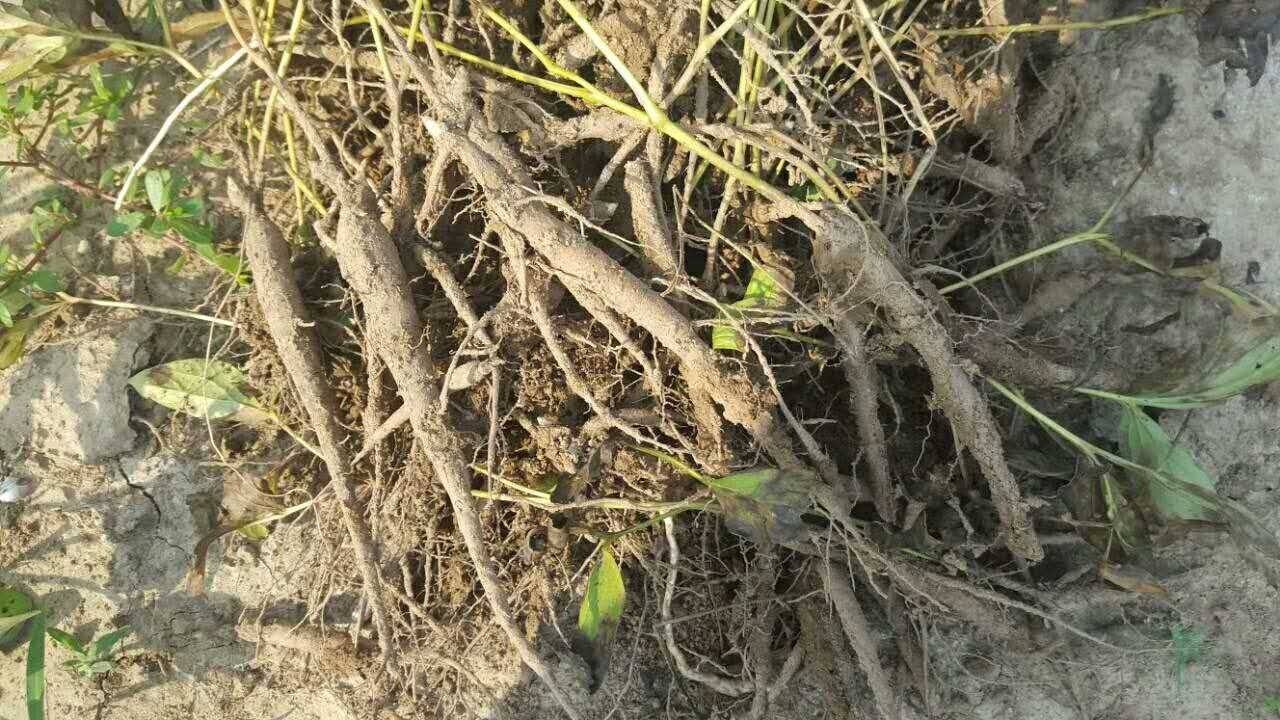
(1090, 450)
(576, 91)
(285, 57)
(1152, 14)
(705, 46)
(599, 504)
(545, 496)
(651, 109)
(1052, 247)
(35, 674)
(1105, 395)
(163, 16)
(650, 522)
(280, 423)
(73, 300)
(414, 19)
(676, 463)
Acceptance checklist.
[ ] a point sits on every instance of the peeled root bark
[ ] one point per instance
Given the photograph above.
(299, 349)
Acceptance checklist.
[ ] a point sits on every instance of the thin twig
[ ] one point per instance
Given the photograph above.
(73, 300)
(1151, 14)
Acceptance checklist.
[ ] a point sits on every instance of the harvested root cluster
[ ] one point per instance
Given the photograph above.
(544, 216)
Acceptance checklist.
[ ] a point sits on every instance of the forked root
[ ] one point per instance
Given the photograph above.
(853, 256)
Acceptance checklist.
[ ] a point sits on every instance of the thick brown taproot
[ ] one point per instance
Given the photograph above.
(840, 591)
(507, 187)
(854, 258)
(864, 400)
(291, 330)
(371, 265)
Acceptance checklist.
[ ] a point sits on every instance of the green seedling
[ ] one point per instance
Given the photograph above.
(110, 96)
(17, 106)
(96, 658)
(764, 504)
(1189, 493)
(601, 612)
(1271, 705)
(185, 216)
(22, 621)
(1188, 645)
(25, 283)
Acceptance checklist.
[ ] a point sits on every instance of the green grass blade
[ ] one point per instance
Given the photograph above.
(1143, 441)
(12, 621)
(103, 646)
(1258, 365)
(35, 670)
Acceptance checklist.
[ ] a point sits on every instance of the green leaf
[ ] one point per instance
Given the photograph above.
(12, 303)
(1143, 441)
(190, 207)
(35, 670)
(26, 101)
(158, 183)
(764, 293)
(99, 87)
(13, 340)
(200, 236)
(213, 161)
(200, 389)
(197, 234)
(16, 607)
(11, 623)
(601, 612)
(103, 646)
(45, 281)
(27, 52)
(16, 20)
(124, 224)
(256, 532)
(65, 640)
(766, 504)
(157, 225)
